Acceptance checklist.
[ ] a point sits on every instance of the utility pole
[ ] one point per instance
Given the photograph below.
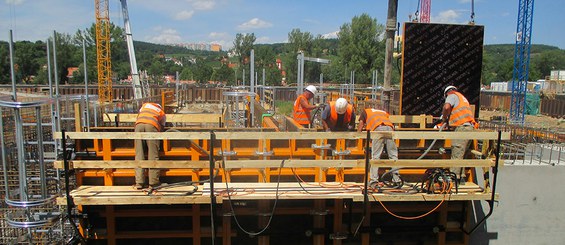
(389, 34)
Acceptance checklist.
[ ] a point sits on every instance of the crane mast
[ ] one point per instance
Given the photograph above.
(137, 89)
(104, 62)
(521, 61)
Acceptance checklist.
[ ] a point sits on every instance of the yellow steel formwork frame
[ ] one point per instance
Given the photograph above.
(103, 51)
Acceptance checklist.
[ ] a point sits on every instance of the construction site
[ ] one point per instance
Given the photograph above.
(235, 170)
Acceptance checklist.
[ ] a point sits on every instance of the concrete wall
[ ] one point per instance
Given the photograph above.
(531, 209)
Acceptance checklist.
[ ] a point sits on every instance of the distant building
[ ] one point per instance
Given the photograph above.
(200, 46)
(215, 47)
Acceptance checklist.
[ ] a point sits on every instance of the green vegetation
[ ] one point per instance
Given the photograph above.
(359, 47)
(498, 61)
(284, 107)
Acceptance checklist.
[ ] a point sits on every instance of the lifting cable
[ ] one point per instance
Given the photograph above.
(472, 12)
(417, 13)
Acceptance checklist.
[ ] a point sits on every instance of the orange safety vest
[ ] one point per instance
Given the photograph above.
(333, 115)
(376, 118)
(150, 113)
(462, 113)
(298, 113)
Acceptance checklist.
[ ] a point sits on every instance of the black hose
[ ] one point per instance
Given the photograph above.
(70, 203)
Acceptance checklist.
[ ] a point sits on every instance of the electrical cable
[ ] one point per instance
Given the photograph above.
(66, 159)
(445, 192)
(272, 211)
(419, 158)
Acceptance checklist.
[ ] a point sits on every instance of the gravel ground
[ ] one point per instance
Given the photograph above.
(537, 121)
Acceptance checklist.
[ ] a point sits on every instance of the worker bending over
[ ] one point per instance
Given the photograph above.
(302, 106)
(339, 116)
(379, 120)
(151, 118)
(458, 116)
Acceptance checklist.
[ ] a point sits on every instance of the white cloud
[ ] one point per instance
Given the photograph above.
(263, 40)
(216, 35)
(330, 35)
(448, 16)
(167, 35)
(184, 15)
(15, 2)
(254, 23)
(202, 4)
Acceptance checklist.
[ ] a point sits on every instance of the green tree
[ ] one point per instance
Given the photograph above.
(202, 72)
(28, 60)
(359, 47)
(298, 41)
(224, 74)
(186, 74)
(242, 46)
(4, 63)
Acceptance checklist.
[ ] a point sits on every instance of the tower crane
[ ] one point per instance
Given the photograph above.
(425, 9)
(104, 63)
(521, 61)
(103, 51)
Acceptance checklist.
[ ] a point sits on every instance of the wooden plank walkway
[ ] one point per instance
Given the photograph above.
(175, 194)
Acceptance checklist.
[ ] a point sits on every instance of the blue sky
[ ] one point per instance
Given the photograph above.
(207, 21)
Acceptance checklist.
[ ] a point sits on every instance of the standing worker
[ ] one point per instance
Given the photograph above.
(379, 120)
(302, 108)
(458, 115)
(151, 118)
(339, 116)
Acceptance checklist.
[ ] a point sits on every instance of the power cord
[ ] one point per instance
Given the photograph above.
(272, 211)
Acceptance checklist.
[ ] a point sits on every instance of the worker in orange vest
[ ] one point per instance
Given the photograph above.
(151, 118)
(302, 108)
(339, 116)
(457, 114)
(378, 120)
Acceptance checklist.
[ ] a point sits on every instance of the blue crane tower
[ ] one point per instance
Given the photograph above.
(521, 61)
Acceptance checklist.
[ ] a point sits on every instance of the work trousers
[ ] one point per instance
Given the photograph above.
(153, 154)
(377, 149)
(459, 148)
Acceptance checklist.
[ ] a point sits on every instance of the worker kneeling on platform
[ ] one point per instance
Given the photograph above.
(379, 120)
(151, 118)
(458, 116)
(339, 116)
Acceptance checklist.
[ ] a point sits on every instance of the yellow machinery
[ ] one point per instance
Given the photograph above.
(103, 51)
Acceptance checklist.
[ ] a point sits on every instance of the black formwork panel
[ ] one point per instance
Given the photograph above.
(435, 56)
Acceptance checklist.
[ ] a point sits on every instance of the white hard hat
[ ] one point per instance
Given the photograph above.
(341, 105)
(312, 89)
(450, 87)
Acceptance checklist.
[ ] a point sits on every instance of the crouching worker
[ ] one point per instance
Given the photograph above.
(339, 116)
(378, 120)
(151, 118)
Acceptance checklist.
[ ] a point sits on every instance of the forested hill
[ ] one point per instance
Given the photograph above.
(168, 49)
(498, 62)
